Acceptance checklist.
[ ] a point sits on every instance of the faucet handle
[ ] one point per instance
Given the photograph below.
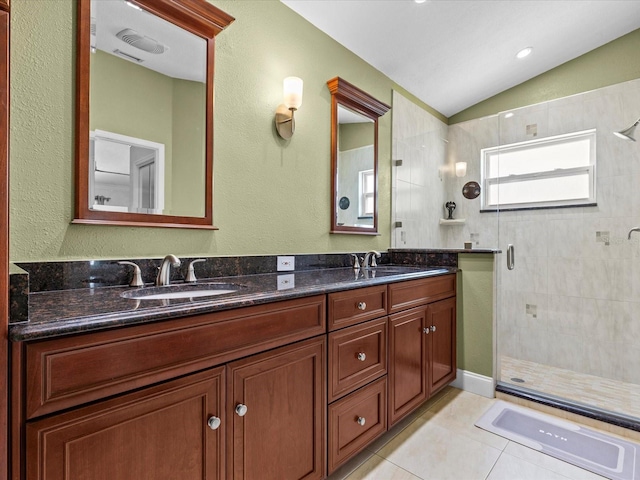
(356, 262)
(373, 258)
(136, 280)
(191, 274)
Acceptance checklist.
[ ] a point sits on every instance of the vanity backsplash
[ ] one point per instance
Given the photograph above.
(33, 277)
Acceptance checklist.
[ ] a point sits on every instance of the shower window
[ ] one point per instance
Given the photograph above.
(550, 172)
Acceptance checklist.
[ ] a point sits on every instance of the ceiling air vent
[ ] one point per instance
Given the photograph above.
(147, 44)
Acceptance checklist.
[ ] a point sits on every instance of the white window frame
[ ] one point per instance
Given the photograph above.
(558, 173)
(364, 195)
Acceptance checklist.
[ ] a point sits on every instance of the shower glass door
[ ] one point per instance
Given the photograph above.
(568, 313)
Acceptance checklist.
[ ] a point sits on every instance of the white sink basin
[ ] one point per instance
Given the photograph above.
(169, 292)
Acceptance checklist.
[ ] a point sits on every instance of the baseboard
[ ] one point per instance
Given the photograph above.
(474, 383)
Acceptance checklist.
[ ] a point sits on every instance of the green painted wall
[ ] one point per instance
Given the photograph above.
(355, 135)
(475, 313)
(187, 176)
(270, 195)
(615, 62)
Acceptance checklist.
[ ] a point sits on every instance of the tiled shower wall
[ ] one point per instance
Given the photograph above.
(418, 185)
(573, 300)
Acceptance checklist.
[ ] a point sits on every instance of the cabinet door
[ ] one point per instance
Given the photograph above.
(408, 386)
(441, 319)
(159, 433)
(277, 410)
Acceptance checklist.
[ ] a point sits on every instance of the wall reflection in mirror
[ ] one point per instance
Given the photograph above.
(355, 192)
(147, 115)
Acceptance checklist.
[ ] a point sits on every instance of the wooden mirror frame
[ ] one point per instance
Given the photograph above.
(6, 453)
(350, 96)
(196, 16)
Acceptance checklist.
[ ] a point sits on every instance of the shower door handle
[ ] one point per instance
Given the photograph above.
(510, 257)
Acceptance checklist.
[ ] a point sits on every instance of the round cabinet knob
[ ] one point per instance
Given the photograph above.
(214, 422)
(362, 356)
(362, 306)
(241, 410)
(433, 328)
(361, 421)
(426, 330)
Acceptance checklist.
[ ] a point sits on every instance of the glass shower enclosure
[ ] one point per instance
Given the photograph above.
(568, 325)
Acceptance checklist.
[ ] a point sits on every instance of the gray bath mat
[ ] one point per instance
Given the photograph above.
(599, 453)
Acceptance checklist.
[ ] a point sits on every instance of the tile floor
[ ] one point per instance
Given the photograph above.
(441, 442)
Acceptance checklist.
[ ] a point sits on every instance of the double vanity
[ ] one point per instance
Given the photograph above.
(286, 375)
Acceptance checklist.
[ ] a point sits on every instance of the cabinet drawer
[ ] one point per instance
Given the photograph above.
(356, 306)
(69, 371)
(357, 355)
(404, 295)
(355, 421)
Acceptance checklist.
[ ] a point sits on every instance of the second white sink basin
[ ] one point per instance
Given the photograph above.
(195, 290)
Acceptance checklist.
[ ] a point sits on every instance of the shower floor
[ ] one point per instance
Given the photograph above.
(604, 393)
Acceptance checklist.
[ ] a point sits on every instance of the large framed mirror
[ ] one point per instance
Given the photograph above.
(354, 158)
(144, 112)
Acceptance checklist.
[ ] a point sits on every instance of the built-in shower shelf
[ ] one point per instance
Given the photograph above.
(455, 221)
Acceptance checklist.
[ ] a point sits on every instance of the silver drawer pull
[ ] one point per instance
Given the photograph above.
(361, 421)
(362, 356)
(426, 330)
(214, 422)
(362, 306)
(433, 328)
(241, 410)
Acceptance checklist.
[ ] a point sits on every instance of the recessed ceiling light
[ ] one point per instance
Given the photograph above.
(420, 1)
(524, 52)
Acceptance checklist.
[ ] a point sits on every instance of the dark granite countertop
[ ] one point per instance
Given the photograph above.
(65, 312)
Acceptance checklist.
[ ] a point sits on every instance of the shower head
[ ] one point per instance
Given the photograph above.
(627, 133)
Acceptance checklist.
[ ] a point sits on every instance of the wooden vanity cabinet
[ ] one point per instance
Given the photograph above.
(284, 391)
(159, 433)
(422, 348)
(276, 412)
(357, 371)
(166, 409)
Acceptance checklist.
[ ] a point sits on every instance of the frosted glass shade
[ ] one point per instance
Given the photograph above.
(461, 169)
(292, 91)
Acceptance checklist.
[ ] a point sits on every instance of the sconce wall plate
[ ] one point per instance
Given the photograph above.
(285, 122)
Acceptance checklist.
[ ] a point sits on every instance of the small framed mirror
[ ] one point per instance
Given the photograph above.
(354, 158)
(144, 112)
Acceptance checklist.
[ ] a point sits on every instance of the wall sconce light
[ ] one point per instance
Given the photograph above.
(627, 133)
(292, 92)
(461, 169)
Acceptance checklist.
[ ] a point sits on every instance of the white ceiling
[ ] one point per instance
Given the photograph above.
(453, 54)
(186, 54)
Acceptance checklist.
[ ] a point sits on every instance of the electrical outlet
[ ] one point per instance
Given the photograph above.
(286, 282)
(286, 264)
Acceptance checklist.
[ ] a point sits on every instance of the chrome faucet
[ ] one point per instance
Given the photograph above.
(635, 229)
(356, 261)
(372, 254)
(164, 272)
